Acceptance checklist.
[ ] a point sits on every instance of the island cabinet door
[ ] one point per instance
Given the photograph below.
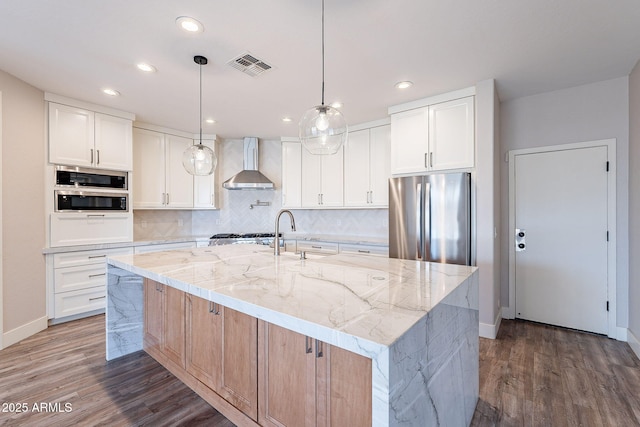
(222, 352)
(343, 387)
(286, 393)
(174, 325)
(153, 315)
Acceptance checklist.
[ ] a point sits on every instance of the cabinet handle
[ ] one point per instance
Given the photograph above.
(97, 275)
(426, 160)
(319, 202)
(158, 287)
(213, 199)
(214, 308)
(319, 353)
(431, 159)
(307, 345)
(316, 247)
(97, 256)
(92, 156)
(97, 157)
(167, 199)
(322, 198)
(164, 198)
(363, 251)
(96, 216)
(93, 299)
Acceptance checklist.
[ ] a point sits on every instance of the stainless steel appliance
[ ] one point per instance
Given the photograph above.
(242, 238)
(85, 201)
(67, 176)
(430, 218)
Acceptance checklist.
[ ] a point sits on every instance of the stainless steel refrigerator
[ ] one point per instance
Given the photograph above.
(430, 218)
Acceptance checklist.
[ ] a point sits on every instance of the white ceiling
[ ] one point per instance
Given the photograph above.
(77, 47)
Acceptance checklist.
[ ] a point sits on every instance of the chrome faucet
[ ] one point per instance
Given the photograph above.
(276, 245)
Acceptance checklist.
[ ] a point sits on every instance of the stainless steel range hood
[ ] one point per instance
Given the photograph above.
(250, 178)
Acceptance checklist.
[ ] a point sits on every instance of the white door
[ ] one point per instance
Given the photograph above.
(356, 169)
(561, 207)
(113, 142)
(179, 183)
(379, 168)
(71, 138)
(148, 169)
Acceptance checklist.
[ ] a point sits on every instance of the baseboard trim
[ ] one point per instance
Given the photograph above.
(634, 342)
(25, 331)
(491, 331)
(621, 334)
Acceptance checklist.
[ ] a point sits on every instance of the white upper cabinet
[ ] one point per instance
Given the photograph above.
(322, 179)
(366, 167)
(433, 138)
(113, 143)
(79, 137)
(451, 134)
(291, 174)
(204, 194)
(160, 181)
(410, 141)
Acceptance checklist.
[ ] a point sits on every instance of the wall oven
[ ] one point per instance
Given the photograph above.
(88, 201)
(76, 177)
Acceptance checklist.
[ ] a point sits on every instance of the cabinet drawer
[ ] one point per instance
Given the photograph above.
(77, 302)
(85, 229)
(317, 247)
(80, 277)
(363, 249)
(71, 259)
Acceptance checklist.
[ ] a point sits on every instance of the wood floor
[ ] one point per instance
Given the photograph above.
(531, 375)
(539, 375)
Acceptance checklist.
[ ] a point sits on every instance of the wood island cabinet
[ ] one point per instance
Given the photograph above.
(164, 325)
(305, 382)
(222, 352)
(253, 371)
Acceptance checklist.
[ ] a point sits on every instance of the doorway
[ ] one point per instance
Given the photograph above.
(562, 235)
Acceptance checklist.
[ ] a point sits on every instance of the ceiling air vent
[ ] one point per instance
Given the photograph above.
(249, 64)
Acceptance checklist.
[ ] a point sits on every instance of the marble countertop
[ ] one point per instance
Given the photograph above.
(360, 240)
(97, 246)
(357, 302)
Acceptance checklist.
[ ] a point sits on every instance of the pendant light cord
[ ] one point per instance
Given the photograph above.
(322, 52)
(200, 103)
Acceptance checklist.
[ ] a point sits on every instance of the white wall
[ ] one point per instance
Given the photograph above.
(23, 223)
(584, 113)
(634, 208)
(488, 207)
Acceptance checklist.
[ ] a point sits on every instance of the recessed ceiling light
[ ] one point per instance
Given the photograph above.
(404, 85)
(287, 119)
(111, 92)
(337, 104)
(189, 24)
(147, 68)
(210, 121)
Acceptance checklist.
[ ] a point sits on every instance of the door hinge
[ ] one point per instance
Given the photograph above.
(607, 305)
(607, 166)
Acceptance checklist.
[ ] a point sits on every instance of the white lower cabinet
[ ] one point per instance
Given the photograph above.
(78, 281)
(70, 229)
(352, 248)
(317, 247)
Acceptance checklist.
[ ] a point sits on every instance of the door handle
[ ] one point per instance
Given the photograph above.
(520, 242)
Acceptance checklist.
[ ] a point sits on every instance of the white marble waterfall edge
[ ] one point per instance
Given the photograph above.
(418, 322)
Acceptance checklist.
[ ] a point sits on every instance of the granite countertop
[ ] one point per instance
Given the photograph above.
(357, 302)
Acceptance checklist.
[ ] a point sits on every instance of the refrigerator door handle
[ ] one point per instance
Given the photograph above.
(426, 222)
(418, 228)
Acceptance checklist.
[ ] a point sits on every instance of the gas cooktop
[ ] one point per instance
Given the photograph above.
(237, 238)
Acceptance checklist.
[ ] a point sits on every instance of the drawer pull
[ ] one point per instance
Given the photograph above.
(362, 251)
(95, 216)
(96, 298)
(97, 275)
(97, 256)
(316, 247)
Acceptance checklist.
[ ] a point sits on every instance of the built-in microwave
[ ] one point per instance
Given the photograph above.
(67, 176)
(88, 201)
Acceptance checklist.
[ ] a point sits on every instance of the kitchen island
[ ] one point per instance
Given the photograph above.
(416, 322)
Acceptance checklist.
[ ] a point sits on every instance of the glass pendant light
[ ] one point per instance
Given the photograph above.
(199, 159)
(323, 129)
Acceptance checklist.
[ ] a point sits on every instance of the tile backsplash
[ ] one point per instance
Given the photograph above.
(236, 215)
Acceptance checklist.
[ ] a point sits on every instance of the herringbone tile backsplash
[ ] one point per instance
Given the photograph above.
(235, 214)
